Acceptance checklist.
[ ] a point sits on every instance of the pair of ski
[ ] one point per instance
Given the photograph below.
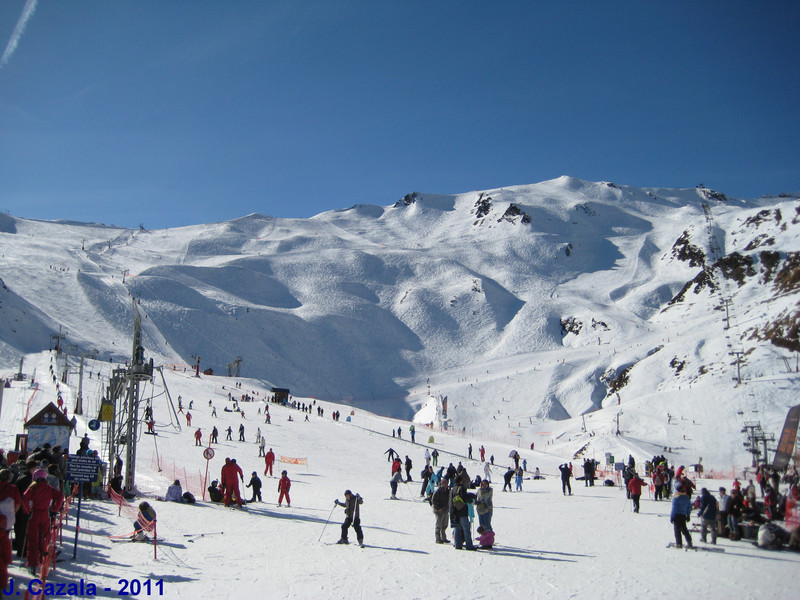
(687, 548)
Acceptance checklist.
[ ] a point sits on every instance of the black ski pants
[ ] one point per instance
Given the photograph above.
(356, 523)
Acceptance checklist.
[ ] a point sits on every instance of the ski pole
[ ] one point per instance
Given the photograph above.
(328, 520)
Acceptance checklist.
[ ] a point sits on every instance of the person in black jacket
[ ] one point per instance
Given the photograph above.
(255, 483)
(440, 502)
(459, 514)
(352, 516)
(566, 473)
(507, 479)
(214, 493)
(708, 514)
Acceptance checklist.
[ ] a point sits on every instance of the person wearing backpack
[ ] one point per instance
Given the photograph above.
(459, 514)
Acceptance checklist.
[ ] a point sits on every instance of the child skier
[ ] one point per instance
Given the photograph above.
(255, 483)
(284, 484)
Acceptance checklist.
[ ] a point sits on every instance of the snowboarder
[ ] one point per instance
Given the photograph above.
(352, 513)
(255, 483)
(284, 484)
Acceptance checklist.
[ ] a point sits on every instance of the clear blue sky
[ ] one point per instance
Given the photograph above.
(170, 113)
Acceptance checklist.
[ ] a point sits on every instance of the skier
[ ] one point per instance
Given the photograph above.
(284, 484)
(188, 419)
(507, 479)
(566, 473)
(396, 478)
(269, 459)
(241, 432)
(229, 432)
(145, 521)
(214, 435)
(42, 498)
(352, 513)
(198, 436)
(214, 493)
(214, 412)
(681, 511)
(255, 483)
(230, 475)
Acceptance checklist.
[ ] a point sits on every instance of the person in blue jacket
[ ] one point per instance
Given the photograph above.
(681, 510)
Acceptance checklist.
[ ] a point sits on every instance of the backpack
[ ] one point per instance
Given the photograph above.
(458, 503)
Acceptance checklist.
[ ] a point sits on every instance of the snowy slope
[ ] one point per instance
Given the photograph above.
(534, 305)
(588, 545)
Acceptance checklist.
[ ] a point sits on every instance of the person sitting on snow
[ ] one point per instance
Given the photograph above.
(174, 492)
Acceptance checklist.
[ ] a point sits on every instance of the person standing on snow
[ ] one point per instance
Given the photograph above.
(255, 483)
(269, 460)
(427, 457)
(482, 450)
(43, 499)
(507, 478)
(635, 490)
(681, 510)
(241, 432)
(440, 503)
(484, 506)
(708, 514)
(409, 465)
(459, 514)
(198, 437)
(518, 479)
(352, 516)
(487, 472)
(284, 484)
(566, 473)
(230, 475)
(214, 435)
(394, 481)
(229, 432)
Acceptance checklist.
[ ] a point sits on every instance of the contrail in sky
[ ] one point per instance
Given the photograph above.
(19, 29)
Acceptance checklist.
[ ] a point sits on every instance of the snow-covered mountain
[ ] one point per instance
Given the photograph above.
(528, 307)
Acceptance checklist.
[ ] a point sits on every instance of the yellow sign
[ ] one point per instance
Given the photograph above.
(106, 411)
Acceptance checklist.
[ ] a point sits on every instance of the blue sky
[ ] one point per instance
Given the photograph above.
(182, 112)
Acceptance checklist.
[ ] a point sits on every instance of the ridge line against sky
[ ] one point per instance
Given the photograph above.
(170, 114)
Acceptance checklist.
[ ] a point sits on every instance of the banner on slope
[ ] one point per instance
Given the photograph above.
(294, 461)
(788, 436)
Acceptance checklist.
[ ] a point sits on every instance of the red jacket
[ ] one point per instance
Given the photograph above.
(42, 497)
(635, 486)
(284, 484)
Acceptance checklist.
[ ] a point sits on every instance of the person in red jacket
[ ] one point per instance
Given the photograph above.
(635, 488)
(42, 499)
(229, 477)
(10, 498)
(284, 484)
(198, 437)
(269, 460)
